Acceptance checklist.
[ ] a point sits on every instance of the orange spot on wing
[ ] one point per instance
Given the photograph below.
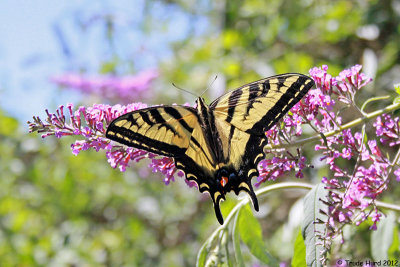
(224, 181)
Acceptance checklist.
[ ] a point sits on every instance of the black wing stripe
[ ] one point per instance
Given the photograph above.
(194, 140)
(283, 105)
(231, 133)
(281, 82)
(266, 87)
(176, 115)
(129, 138)
(233, 99)
(155, 114)
(146, 118)
(254, 92)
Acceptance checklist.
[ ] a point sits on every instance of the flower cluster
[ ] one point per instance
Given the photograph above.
(353, 190)
(90, 124)
(119, 89)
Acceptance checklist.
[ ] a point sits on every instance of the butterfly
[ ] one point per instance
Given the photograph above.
(218, 146)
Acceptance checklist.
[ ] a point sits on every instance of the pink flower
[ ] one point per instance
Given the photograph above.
(322, 79)
(397, 174)
(388, 129)
(375, 218)
(346, 153)
(120, 89)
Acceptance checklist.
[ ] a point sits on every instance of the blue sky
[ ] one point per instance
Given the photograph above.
(28, 54)
(30, 51)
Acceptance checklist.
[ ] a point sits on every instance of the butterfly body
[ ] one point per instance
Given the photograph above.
(218, 146)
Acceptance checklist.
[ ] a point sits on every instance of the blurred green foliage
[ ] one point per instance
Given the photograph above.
(253, 39)
(62, 210)
(57, 209)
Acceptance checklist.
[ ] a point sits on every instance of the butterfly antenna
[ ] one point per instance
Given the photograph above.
(208, 87)
(177, 87)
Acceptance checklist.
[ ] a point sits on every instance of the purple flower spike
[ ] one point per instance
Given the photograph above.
(93, 129)
(397, 174)
(119, 89)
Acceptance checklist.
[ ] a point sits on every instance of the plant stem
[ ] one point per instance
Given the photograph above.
(388, 206)
(288, 185)
(263, 191)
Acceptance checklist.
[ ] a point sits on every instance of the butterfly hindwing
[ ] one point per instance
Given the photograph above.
(205, 180)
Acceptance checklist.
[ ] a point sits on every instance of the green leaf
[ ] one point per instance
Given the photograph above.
(299, 254)
(397, 88)
(251, 234)
(310, 230)
(205, 249)
(396, 100)
(236, 241)
(382, 238)
(394, 250)
(225, 243)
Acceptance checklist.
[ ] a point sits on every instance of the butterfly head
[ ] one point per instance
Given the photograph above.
(225, 181)
(201, 105)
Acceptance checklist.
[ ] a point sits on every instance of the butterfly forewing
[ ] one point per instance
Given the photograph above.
(257, 106)
(165, 130)
(172, 131)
